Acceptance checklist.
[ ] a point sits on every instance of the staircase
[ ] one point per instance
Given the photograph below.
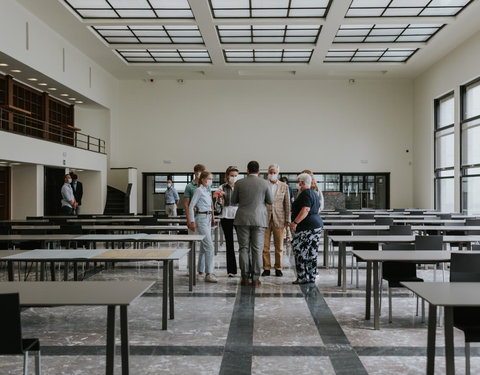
(117, 202)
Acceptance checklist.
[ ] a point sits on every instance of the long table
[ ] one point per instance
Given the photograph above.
(166, 256)
(91, 293)
(448, 295)
(379, 239)
(374, 257)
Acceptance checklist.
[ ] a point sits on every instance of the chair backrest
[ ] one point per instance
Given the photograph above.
(444, 216)
(71, 229)
(465, 267)
(399, 230)
(428, 242)
(398, 246)
(10, 324)
(366, 216)
(384, 221)
(399, 210)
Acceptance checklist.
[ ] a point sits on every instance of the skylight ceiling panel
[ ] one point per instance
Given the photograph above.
(174, 13)
(117, 40)
(232, 13)
(163, 59)
(269, 13)
(155, 40)
(348, 39)
(420, 30)
(364, 59)
(129, 4)
(319, 13)
(402, 12)
(268, 39)
(360, 12)
(111, 32)
(223, 4)
(303, 33)
(132, 53)
(239, 53)
(377, 31)
(236, 40)
(152, 33)
(235, 33)
(268, 53)
(140, 59)
(341, 53)
(408, 3)
(90, 4)
(97, 13)
(188, 40)
(170, 4)
(392, 59)
(413, 38)
(369, 53)
(337, 59)
(380, 39)
(297, 39)
(164, 53)
(440, 11)
(460, 3)
(136, 13)
(263, 32)
(309, 3)
(399, 52)
(353, 32)
(268, 59)
(183, 33)
(269, 3)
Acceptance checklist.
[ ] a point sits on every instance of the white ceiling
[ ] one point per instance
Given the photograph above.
(62, 18)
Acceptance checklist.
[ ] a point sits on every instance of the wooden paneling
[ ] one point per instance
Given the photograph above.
(4, 193)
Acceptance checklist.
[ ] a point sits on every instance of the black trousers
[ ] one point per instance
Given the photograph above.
(227, 226)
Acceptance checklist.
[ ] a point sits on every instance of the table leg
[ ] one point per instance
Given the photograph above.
(368, 292)
(194, 263)
(125, 347)
(65, 271)
(10, 270)
(432, 330)
(165, 295)
(216, 238)
(42, 271)
(376, 310)
(325, 247)
(344, 268)
(191, 275)
(341, 245)
(171, 290)
(75, 271)
(52, 270)
(449, 351)
(110, 339)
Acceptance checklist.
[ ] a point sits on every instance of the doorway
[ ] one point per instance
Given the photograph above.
(54, 178)
(4, 193)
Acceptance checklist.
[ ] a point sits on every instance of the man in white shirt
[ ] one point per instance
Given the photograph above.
(68, 199)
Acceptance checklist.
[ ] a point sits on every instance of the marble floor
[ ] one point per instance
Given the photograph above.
(277, 328)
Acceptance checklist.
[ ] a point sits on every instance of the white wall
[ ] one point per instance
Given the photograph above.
(320, 125)
(92, 202)
(457, 68)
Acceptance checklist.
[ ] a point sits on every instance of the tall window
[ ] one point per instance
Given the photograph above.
(444, 153)
(470, 141)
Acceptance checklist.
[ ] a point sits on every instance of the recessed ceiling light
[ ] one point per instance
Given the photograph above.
(78, 102)
(64, 95)
(15, 163)
(52, 89)
(3, 162)
(32, 79)
(16, 71)
(42, 84)
(72, 98)
(3, 64)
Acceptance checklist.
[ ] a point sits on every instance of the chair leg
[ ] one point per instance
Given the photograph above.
(416, 312)
(390, 305)
(380, 299)
(423, 310)
(25, 363)
(467, 358)
(357, 285)
(351, 271)
(38, 368)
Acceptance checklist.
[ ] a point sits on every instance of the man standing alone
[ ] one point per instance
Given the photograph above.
(171, 200)
(68, 200)
(252, 194)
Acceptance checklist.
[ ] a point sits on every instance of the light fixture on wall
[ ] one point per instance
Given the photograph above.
(15, 70)
(52, 89)
(78, 102)
(42, 84)
(73, 99)
(64, 94)
(3, 64)
(32, 79)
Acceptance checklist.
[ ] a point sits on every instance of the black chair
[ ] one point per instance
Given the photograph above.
(383, 221)
(11, 341)
(400, 230)
(444, 216)
(396, 272)
(434, 242)
(465, 267)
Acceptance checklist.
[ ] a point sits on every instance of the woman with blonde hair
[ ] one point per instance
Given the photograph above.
(202, 223)
(315, 188)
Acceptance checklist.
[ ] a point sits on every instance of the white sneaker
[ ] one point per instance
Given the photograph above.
(210, 278)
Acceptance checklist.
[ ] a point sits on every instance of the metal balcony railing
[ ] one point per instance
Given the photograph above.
(16, 122)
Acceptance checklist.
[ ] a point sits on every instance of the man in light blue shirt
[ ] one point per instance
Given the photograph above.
(171, 200)
(68, 199)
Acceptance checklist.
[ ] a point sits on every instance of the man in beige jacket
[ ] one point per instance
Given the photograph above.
(278, 220)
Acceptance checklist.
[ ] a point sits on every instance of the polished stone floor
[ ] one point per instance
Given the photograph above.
(277, 328)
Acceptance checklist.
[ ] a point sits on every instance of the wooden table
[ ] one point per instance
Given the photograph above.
(448, 295)
(89, 293)
(375, 257)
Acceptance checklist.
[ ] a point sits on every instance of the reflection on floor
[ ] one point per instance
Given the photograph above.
(277, 328)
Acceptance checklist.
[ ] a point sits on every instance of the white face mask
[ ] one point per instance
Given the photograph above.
(273, 177)
(209, 183)
(299, 187)
(169, 185)
(232, 180)
(69, 180)
(197, 175)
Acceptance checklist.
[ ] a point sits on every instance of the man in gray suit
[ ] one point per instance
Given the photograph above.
(252, 194)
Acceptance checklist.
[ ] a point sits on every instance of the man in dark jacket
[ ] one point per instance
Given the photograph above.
(77, 188)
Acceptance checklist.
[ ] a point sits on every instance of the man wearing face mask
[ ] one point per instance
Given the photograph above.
(171, 200)
(68, 199)
(190, 190)
(278, 220)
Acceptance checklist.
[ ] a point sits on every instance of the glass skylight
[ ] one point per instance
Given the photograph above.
(385, 33)
(406, 8)
(268, 55)
(268, 33)
(165, 55)
(370, 55)
(269, 8)
(149, 34)
(91, 9)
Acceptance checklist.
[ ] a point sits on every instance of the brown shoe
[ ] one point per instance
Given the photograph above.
(244, 281)
(256, 283)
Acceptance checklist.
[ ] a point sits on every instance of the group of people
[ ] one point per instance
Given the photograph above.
(257, 209)
(72, 193)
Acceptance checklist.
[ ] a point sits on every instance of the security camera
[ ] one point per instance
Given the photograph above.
(180, 81)
(152, 80)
